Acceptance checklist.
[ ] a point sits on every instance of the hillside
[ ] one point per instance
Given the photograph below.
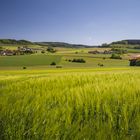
(128, 42)
(50, 44)
(15, 42)
(62, 44)
(125, 44)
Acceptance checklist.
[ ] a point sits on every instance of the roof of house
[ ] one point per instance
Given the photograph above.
(135, 57)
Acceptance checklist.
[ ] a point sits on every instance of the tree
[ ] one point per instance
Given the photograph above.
(42, 51)
(1, 48)
(51, 50)
(53, 64)
(105, 45)
(115, 56)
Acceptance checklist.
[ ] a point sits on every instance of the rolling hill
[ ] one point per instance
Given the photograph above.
(50, 44)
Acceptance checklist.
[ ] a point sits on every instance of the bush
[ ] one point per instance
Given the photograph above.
(24, 68)
(138, 63)
(79, 60)
(53, 64)
(133, 62)
(51, 50)
(42, 51)
(101, 65)
(115, 56)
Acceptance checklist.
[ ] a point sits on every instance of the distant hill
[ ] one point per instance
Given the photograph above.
(50, 44)
(129, 42)
(62, 44)
(15, 42)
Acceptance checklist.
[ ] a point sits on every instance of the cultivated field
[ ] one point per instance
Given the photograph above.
(43, 61)
(75, 104)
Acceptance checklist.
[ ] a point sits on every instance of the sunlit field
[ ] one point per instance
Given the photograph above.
(100, 104)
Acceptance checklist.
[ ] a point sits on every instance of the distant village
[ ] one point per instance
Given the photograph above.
(20, 51)
(112, 51)
(26, 50)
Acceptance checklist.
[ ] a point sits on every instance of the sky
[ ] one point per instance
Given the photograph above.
(91, 22)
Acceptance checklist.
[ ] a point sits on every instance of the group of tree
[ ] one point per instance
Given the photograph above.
(79, 60)
(119, 50)
(51, 50)
(115, 56)
(135, 62)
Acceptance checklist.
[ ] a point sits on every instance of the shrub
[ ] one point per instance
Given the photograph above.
(138, 63)
(51, 50)
(79, 60)
(115, 56)
(101, 65)
(42, 51)
(24, 68)
(53, 64)
(133, 62)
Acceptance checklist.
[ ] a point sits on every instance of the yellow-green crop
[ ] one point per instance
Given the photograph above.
(68, 105)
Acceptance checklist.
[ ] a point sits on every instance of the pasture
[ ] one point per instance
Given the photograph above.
(28, 60)
(43, 61)
(70, 104)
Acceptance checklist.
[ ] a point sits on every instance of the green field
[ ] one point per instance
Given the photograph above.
(79, 101)
(71, 104)
(43, 61)
(28, 60)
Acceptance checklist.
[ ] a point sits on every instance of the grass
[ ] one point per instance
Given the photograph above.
(93, 62)
(28, 60)
(70, 104)
(44, 61)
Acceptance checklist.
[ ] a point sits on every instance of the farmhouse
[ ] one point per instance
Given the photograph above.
(7, 53)
(135, 60)
(25, 50)
(101, 52)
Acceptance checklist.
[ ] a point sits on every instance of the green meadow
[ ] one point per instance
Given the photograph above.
(43, 61)
(70, 104)
(28, 60)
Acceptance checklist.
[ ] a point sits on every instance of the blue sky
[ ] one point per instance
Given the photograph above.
(73, 21)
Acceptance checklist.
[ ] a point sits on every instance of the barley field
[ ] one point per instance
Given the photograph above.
(70, 104)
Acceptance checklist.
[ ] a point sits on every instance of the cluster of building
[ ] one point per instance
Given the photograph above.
(117, 51)
(101, 52)
(19, 51)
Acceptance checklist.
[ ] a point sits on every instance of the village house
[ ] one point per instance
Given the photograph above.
(7, 52)
(101, 52)
(134, 60)
(25, 50)
(19, 51)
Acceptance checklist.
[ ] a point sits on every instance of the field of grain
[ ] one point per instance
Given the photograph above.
(70, 104)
